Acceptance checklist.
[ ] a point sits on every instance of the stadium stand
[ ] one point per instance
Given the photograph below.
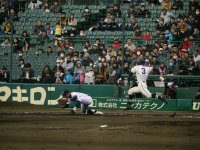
(103, 24)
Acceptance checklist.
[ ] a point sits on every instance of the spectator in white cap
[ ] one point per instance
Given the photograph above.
(71, 51)
(58, 66)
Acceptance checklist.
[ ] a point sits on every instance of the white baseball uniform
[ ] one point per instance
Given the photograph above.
(84, 99)
(142, 73)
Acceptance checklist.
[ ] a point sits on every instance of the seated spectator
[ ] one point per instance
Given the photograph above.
(56, 8)
(196, 56)
(197, 19)
(95, 49)
(143, 12)
(162, 69)
(35, 4)
(49, 29)
(169, 36)
(26, 48)
(193, 3)
(133, 25)
(87, 14)
(102, 26)
(130, 45)
(46, 7)
(16, 45)
(147, 37)
(68, 65)
(21, 64)
(71, 51)
(167, 16)
(195, 34)
(132, 12)
(4, 75)
(166, 4)
(6, 43)
(47, 75)
(170, 91)
(79, 73)
(112, 25)
(89, 75)
(86, 60)
(110, 53)
(116, 11)
(155, 63)
(76, 57)
(161, 25)
(63, 21)
(116, 45)
(177, 5)
(102, 72)
(66, 43)
(13, 15)
(99, 44)
(192, 68)
(59, 51)
(126, 68)
(43, 38)
(25, 38)
(181, 68)
(56, 43)
(73, 32)
(39, 52)
(182, 26)
(58, 66)
(114, 73)
(171, 66)
(38, 28)
(72, 21)
(49, 51)
(59, 77)
(27, 74)
(185, 45)
(120, 57)
(138, 34)
(58, 31)
(108, 17)
(7, 27)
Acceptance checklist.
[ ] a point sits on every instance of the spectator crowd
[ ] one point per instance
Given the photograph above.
(100, 63)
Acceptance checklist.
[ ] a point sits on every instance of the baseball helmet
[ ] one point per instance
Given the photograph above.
(140, 62)
(65, 92)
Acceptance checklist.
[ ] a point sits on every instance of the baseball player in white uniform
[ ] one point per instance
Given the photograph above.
(142, 72)
(80, 99)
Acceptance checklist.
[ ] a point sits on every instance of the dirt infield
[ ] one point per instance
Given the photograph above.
(38, 128)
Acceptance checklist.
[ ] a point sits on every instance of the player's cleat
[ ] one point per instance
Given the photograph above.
(98, 113)
(72, 112)
(162, 99)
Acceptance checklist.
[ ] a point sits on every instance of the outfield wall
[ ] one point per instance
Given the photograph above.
(104, 96)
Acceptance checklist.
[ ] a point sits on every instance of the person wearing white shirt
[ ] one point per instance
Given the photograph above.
(167, 16)
(142, 72)
(80, 99)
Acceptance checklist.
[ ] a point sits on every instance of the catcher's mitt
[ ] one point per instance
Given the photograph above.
(62, 102)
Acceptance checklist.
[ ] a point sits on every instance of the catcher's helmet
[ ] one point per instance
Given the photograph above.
(65, 92)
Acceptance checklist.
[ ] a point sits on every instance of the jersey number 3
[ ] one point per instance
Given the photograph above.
(143, 71)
